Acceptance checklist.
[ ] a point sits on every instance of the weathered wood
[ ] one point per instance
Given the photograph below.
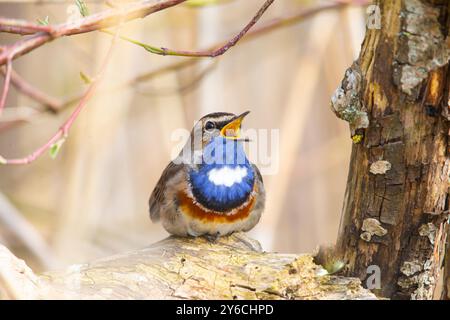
(394, 98)
(183, 268)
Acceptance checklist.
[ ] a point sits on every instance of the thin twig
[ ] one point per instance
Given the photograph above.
(52, 2)
(64, 129)
(6, 84)
(212, 53)
(264, 28)
(22, 27)
(301, 15)
(53, 104)
(55, 32)
(135, 80)
(101, 20)
(183, 88)
(73, 99)
(25, 27)
(222, 47)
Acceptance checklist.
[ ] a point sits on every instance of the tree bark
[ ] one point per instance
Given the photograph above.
(446, 279)
(395, 98)
(183, 268)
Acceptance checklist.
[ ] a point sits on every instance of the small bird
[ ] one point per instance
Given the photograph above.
(211, 189)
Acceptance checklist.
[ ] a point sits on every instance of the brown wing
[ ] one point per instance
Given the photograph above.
(157, 196)
(258, 174)
(261, 199)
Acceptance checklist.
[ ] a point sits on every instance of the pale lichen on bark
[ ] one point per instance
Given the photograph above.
(346, 101)
(414, 275)
(380, 167)
(410, 268)
(423, 47)
(372, 227)
(428, 230)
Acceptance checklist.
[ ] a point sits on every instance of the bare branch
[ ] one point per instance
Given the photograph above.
(222, 47)
(64, 129)
(214, 52)
(6, 84)
(22, 27)
(264, 28)
(53, 104)
(18, 119)
(101, 20)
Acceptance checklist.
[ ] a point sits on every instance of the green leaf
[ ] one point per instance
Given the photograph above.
(43, 22)
(54, 149)
(82, 7)
(147, 47)
(86, 79)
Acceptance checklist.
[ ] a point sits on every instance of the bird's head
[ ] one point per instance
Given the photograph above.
(219, 124)
(216, 133)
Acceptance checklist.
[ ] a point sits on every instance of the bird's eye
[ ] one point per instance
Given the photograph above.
(210, 126)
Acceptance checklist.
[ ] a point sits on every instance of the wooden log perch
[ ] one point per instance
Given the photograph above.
(234, 267)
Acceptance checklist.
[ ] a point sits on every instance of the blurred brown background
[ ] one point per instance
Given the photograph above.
(91, 201)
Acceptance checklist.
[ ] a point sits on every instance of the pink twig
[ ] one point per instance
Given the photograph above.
(214, 52)
(52, 104)
(6, 84)
(64, 129)
(101, 20)
(299, 16)
(256, 31)
(22, 27)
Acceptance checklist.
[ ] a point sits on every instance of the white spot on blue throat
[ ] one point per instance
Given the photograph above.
(227, 176)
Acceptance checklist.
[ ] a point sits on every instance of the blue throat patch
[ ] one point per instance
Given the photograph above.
(225, 178)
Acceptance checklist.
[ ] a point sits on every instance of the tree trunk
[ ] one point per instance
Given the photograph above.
(234, 267)
(446, 280)
(395, 99)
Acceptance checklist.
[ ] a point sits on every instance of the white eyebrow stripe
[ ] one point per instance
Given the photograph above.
(227, 176)
(224, 118)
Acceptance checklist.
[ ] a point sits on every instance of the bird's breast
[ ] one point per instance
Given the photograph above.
(222, 187)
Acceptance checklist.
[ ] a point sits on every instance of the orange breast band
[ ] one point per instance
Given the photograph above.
(195, 211)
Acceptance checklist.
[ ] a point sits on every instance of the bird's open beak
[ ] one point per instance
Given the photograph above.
(232, 129)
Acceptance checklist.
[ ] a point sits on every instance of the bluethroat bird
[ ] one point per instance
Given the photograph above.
(211, 188)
